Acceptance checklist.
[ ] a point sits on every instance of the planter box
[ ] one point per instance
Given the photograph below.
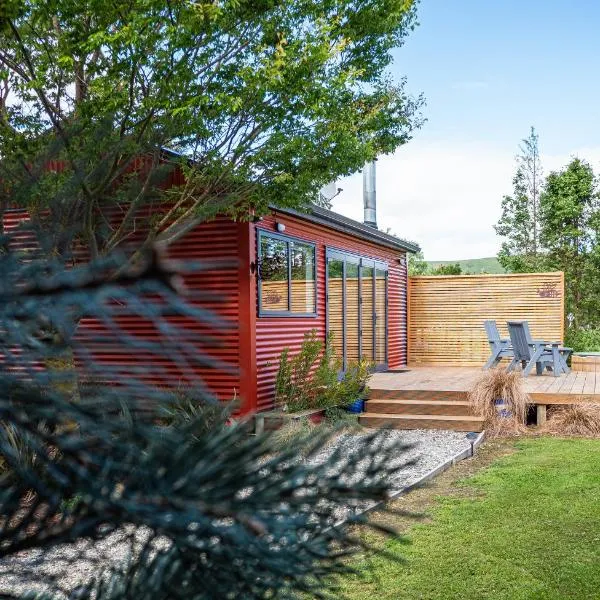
(585, 361)
(274, 419)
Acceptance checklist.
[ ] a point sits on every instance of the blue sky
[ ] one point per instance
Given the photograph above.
(489, 70)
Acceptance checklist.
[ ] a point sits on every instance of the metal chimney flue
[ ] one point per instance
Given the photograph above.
(370, 194)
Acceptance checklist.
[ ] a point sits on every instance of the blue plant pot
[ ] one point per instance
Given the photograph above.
(503, 412)
(357, 406)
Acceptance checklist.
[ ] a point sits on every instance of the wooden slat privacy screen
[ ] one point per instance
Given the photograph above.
(446, 313)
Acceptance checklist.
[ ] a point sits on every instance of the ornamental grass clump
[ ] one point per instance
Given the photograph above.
(499, 398)
(576, 419)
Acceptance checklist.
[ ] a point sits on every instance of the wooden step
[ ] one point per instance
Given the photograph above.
(425, 395)
(454, 422)
(419, 407)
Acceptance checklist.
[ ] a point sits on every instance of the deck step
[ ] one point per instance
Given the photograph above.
(424, 395)
(396, 421)
(419, 407)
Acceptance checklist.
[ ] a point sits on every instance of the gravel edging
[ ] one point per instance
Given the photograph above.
(422, 480)
(431, 452)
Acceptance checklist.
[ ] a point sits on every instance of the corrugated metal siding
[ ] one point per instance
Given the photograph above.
(273, 334)
(15, 225)
(216, 288)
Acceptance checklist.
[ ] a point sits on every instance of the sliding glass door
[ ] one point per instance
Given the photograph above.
(357, 304)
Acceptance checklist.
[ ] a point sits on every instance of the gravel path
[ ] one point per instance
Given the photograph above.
(70, 565)
(428, 449)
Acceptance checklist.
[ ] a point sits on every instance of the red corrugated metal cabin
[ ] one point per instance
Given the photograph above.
(272, 281)
(359, 292)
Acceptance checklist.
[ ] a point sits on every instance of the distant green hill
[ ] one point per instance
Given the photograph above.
(473, 265)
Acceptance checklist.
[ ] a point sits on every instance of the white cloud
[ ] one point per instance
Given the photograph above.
(444, 196)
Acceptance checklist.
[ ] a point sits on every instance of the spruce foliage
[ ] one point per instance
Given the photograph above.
(155, 509)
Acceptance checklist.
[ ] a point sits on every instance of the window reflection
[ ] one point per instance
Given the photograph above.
(287, 276)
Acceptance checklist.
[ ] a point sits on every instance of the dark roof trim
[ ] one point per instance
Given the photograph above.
(333, 220)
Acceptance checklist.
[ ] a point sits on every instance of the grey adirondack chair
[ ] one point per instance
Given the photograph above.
(563, 353)
(538, 353)
(500, 348)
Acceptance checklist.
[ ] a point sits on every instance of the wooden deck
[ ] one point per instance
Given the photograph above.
(444, 382)
(436, 397)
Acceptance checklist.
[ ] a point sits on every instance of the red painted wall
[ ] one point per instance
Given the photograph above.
(273, 334)
(217, 288)
(249, 345)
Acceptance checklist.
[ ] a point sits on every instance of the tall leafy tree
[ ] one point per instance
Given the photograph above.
(570, 214)
(417, 265)
(259, 102)
(519, 224)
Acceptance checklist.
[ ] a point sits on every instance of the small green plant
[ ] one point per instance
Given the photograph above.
(354, 384)
(313, 378)
(294, 431)
(187, 411)
(20, 452)
(296, 386)
(336, 416)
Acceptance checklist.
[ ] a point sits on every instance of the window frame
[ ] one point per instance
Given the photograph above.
(287, 239)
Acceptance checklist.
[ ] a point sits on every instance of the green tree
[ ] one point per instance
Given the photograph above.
(570, 215)
(417, 265)
(451, 269)
(521, 250)
(259, 102)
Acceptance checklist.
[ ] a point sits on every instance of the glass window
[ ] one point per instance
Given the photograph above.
(335, 304)
(287, 276)
(367, 331)
(356, 305)
(273, 274)
(380, 315)
(303, 290)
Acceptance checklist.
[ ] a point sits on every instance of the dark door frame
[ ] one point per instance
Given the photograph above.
(360, 261)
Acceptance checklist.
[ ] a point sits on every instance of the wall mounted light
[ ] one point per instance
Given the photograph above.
(280, 227)
(402, 261)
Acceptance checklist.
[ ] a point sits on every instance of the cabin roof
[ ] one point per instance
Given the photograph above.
(328, 218)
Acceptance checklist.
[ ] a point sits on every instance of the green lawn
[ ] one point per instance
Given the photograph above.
(528, 526)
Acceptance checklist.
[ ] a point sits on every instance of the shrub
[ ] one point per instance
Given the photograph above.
(313, 378)
(584, 339)
(296, 384)
(196, 415)
(354, 384)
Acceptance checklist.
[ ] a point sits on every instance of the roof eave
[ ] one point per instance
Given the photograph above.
(346, 226)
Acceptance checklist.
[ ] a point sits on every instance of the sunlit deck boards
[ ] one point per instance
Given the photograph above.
(455, 382)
